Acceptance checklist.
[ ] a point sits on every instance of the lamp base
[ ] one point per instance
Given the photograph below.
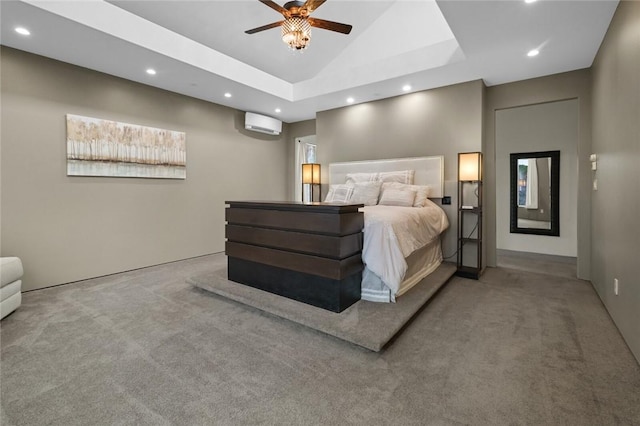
(313, 192)
(469, 272)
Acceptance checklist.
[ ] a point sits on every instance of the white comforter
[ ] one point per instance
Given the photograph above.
(392, 233)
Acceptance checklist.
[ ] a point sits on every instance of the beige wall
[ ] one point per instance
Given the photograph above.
(616, 141)
(558, 87)
(71, 228)
(441, 121)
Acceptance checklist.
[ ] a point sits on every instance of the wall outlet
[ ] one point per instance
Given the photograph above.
(446, 201)
(595, 184)
(615, 286)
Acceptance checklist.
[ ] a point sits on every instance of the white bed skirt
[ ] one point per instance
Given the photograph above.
(420, 263)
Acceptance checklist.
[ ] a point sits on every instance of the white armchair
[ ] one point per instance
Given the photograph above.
(10, 285)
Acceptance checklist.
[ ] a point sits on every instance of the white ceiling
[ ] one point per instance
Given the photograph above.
(199, 48)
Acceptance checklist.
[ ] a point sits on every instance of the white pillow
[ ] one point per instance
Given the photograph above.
(429, 203)
(402, 176)
(422, 191)
(361, 177)
(339, 194)
(398, 197)
(366, 193)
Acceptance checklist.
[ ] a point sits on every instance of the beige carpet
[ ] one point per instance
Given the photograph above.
(367, 324)
(146, 348)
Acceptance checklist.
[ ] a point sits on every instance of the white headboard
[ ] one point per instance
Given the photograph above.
(428, 171)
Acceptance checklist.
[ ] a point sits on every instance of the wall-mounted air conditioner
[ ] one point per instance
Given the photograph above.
(262, 124)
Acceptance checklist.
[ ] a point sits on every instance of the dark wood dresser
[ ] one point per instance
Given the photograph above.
(307, 252)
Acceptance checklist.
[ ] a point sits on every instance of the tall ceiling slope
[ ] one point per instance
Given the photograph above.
(199, 48)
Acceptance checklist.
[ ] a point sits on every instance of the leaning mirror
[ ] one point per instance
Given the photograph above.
(535, 193)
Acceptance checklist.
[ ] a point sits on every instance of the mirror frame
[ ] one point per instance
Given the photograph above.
(555, 193)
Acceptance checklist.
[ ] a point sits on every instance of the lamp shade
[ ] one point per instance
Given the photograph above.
(470, 166)
(311, 173)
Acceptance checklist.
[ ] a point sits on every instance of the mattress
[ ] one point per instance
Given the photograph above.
(420, 263)
(401, 246)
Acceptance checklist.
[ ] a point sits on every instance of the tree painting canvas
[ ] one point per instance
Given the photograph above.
(97, 147)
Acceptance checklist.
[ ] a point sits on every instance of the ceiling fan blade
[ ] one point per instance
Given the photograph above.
(330, 25)
(275, 6)
(311, 5)
(264, 27)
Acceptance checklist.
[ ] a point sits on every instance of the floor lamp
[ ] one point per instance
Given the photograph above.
(311, 177)
(470, 215)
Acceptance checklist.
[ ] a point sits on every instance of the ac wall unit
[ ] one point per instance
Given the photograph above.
(262, 124)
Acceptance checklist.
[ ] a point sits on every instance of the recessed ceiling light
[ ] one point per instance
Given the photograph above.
(406, 88)
(533, 52)
(227, 95)
(530, 1)
(278, 110)
(23, 31)
(151, 71)
(350, 100)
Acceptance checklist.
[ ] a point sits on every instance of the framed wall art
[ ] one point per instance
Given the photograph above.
(97, 147)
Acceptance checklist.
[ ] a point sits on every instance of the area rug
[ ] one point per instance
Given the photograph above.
(367, 324)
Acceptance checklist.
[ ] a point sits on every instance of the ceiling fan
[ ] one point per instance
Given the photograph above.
(296, 27)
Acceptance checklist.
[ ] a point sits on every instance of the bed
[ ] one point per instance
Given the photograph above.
(401, 238)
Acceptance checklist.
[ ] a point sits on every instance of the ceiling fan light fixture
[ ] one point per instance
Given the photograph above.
(296, 32)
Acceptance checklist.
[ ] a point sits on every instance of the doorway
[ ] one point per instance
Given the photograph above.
(540, 127)
(306, 150)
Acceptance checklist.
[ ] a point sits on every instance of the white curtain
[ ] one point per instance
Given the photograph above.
(532, 184)
(305, 153)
